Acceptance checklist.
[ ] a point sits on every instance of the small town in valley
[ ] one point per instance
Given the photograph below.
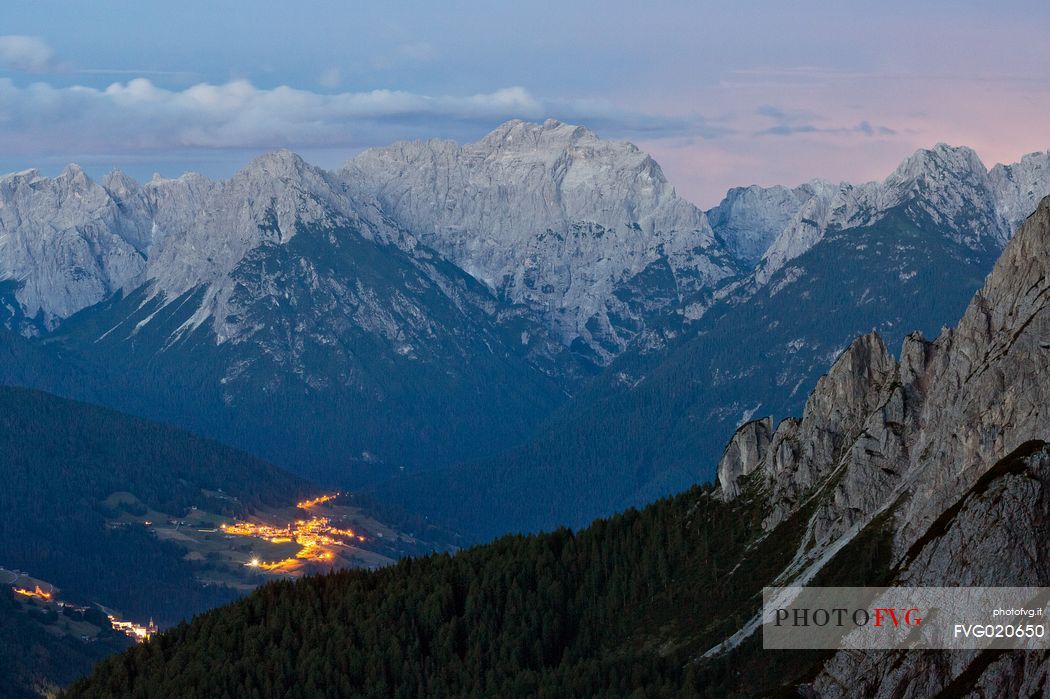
(316, 536)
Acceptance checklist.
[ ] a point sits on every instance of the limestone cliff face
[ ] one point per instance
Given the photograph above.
(947, 442)
(749, 219)
(586, 231)
(745, 452)
(995, 535)
(66, 243)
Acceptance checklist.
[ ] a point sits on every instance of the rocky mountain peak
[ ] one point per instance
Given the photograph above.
(951, 186)
(282, 173)
(73, 173)
(281, 190)
(555, 218)
(521, 135)
(120, 185)
(278, 163)
(939, 162)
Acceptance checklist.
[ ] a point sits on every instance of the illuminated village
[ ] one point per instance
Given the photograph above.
(316, 537)
(134, 631)
(36, 592)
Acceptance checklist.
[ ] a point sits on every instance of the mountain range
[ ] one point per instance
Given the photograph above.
(529, 331)
(653, 423)
(497, 301)
(927, 470)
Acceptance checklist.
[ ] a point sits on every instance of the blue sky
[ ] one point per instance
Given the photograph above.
(721, 93)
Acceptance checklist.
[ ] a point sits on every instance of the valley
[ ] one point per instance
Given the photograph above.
(311, 536)
(119, 519)
(574, 350)
(416, 394)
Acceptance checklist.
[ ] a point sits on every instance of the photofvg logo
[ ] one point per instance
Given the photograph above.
(905, 617)
(840, 616)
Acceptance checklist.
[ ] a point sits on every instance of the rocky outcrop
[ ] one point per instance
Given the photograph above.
(949, 443)
(943, 414)
(802, 454)
(743, 455)
(750, 218)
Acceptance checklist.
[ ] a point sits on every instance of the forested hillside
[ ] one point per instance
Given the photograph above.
(59, 460)
(619, 609)
(34, 659)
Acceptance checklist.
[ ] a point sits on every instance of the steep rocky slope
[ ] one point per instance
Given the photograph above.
(949, 443)
(749, 219)
(285, 317)
(938, 419)
(587, 232)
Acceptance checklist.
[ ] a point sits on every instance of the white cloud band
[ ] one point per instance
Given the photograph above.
(140, 117)
(25, 53)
